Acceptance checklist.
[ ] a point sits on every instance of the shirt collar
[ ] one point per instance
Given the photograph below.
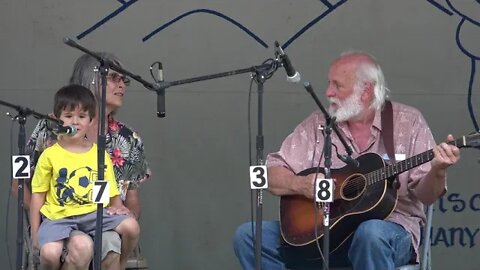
(377, 121)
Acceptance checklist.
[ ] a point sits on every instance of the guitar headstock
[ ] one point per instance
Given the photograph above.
(470, 141)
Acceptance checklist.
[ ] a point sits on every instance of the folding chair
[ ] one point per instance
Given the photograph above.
(425, 254)
(30, 259)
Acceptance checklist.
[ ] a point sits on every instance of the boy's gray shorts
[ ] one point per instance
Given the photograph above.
(62, 229)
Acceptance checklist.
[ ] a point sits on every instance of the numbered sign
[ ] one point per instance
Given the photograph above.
(21, 166)
(324, 190)
(101, 192)
(258, 177)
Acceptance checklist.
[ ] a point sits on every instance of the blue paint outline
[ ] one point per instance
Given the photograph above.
(462, 15)
(208, 11)
(439, 6)
(124, 6)
(459, 44)
(330, 8)
(469, 96)
(326, 3)
(473, 58)
(312, 23)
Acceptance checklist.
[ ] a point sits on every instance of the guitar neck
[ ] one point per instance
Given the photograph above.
(409, 163)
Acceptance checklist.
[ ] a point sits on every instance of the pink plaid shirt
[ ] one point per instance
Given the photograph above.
(303, 147)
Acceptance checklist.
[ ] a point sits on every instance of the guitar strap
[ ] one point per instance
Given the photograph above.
(387, 130)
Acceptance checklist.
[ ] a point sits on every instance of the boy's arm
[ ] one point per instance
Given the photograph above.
(38, 200)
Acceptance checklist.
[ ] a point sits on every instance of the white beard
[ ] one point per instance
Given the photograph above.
(349, 109)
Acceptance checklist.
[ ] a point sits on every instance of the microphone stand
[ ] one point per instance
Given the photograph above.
(23, 113)
(260, 73)
(105, 66)
(327, 148)
(260, 77)
(101, 146)
(330, 125)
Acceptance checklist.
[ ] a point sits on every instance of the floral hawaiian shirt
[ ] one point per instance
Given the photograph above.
(122, 143)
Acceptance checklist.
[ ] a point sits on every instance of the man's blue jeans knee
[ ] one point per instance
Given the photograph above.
(244, 245)
(380, 244)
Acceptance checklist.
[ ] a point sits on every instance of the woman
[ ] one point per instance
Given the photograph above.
(122, 143)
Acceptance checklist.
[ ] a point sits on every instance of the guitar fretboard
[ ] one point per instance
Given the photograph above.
(397, 168)
(407, 164)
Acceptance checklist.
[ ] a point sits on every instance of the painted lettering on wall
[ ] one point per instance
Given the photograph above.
(453, 205)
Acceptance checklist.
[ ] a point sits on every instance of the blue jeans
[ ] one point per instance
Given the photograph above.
(376, 244)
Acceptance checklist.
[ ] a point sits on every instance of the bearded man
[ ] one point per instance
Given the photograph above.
(357, 94)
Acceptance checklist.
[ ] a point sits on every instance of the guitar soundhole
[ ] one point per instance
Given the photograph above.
(353, 187)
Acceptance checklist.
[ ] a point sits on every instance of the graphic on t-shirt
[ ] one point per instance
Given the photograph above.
(76, 187)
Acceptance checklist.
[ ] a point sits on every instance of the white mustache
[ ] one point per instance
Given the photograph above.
(334, 101)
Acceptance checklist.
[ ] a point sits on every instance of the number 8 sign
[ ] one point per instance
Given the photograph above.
(323, 190)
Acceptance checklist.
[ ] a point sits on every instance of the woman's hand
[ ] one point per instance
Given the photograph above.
(118, 210)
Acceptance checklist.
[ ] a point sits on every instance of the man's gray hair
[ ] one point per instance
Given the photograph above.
(370, 71)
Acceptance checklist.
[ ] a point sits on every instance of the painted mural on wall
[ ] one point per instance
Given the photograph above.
(330, 7)
(454, 205)
(468, 13)
(468, 19)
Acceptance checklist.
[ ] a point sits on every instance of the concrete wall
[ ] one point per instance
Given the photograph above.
(199, 192)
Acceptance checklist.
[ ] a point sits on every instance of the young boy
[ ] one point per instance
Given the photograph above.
(62, 189)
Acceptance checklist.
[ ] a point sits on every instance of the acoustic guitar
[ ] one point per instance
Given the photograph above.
(362, 193)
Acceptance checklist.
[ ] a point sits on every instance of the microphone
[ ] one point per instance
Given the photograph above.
(160, 72)
(69, 42)
(349, 160)
(292, 75)
(160, 93)
(68, 130)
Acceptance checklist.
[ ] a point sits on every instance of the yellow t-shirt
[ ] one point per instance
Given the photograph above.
(67, 178)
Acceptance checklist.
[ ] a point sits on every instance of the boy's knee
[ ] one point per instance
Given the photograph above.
(81, 243)
(80, 250)
(130, 227)
(50, 254)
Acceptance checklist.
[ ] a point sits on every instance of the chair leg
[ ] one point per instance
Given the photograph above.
(136, 260)
(30, 258)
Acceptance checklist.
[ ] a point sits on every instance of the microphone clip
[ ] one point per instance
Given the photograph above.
(349, 160)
